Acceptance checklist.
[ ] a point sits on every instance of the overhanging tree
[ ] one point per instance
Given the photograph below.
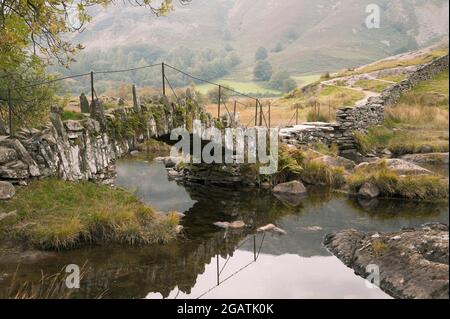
(32, 37)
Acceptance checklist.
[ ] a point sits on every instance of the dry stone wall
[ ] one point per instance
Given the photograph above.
(360, 118)
(86, 149)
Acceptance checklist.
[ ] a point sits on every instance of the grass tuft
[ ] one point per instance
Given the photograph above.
(391, 184)
(55, 215)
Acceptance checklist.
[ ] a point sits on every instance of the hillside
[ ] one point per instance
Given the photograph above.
(310, 36)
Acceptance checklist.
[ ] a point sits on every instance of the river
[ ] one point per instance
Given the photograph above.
(209, 262)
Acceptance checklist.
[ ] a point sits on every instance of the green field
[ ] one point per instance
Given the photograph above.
(304, 80)
(243, 87)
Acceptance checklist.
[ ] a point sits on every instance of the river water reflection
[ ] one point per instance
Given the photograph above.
(213, 263)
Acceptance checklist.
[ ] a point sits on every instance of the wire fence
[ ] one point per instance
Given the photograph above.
(224, 104)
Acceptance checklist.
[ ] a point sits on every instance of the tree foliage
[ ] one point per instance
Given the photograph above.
(282, 81)
(33, 36)
(261, 54)
(262, 71)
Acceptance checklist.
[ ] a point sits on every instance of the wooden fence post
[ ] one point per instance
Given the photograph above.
(92, 89)
(163, 73)
(260, 114)
(218, 102)
(256, 113)
(269, 115)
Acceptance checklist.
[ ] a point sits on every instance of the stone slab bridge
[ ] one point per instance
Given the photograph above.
(85, 149)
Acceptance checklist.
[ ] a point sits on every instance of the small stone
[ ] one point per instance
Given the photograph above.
(7, 190)
(369, 190)
(312, 228)
(6, 215)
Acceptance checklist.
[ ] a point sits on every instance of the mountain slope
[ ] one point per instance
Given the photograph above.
(311, 36)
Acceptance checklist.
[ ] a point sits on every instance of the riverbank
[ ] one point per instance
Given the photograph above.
(412, 263)
(48, 215)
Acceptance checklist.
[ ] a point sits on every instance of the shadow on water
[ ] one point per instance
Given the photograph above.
(292, 266)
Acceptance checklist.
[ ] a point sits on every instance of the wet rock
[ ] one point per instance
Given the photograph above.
(335, 161)
(290, 188)
(7, 190)
(173, 174)
(369, 190)
(169, 161)
(134, 153)
(272, 229)
(7, 155)
(413, 263)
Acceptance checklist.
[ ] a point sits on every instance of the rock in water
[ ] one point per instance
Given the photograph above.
(369, 190)
(237, 224)
(7, 190)
(413, 263)
(290, 188)
(271, 228)
(234, 225)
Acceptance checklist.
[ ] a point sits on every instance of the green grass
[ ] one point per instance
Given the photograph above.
(304, 80)
(70, 115)
(400, 142)
(345, 96)
(54, 214)
(437, 85)
(373, 85)
(242, 87)
(393, 78)
(390, 184)
(388, 64)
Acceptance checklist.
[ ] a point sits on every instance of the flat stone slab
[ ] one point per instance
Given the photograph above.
(412, 263)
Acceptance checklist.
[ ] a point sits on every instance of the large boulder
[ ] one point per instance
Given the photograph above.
(290, 188)
(369, 190)
(429, 158)
(7, 190)
(335, 161)
(399, 166)
(7, 155)
(412, 263)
